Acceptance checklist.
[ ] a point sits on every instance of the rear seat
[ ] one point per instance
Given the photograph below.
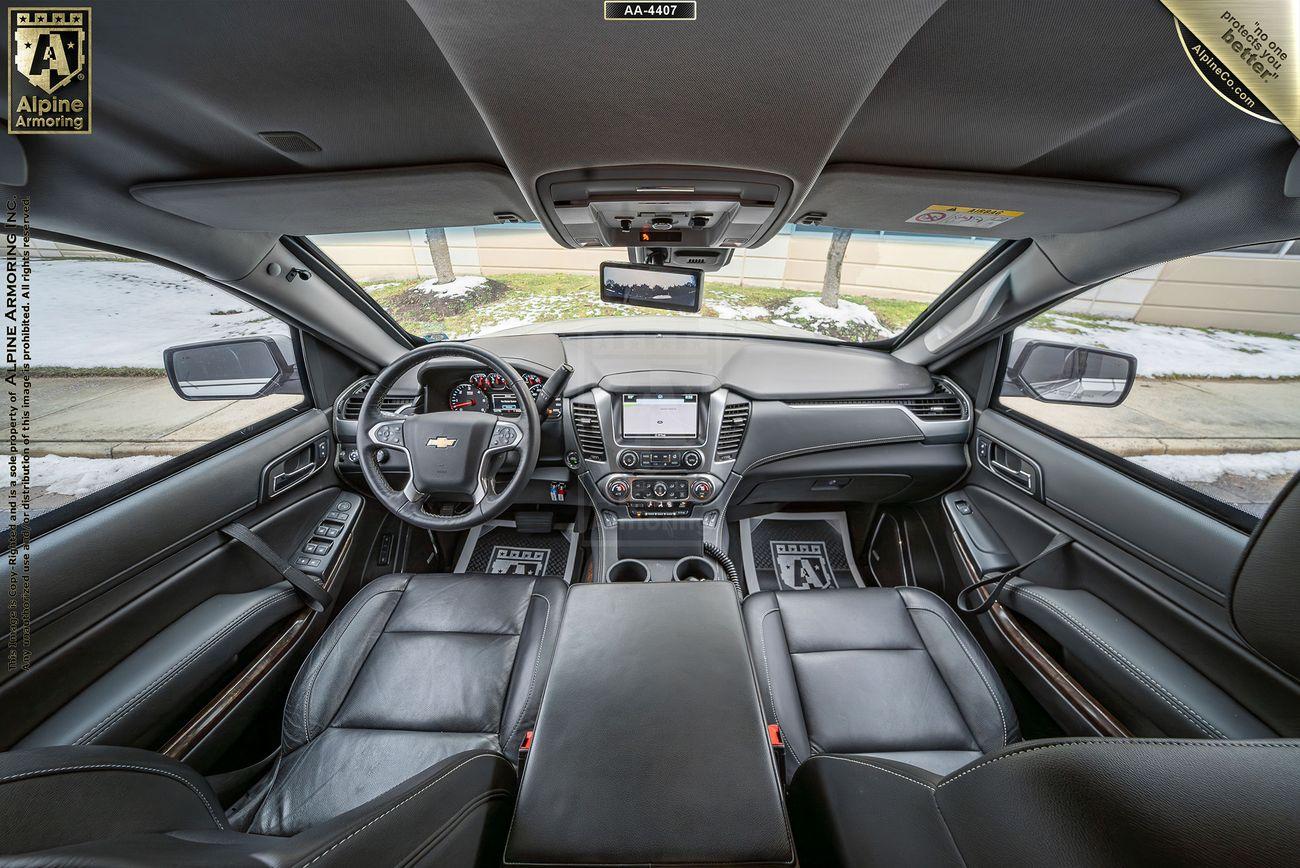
(880, 672)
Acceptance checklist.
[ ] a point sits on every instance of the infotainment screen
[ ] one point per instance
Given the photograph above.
(654, 415)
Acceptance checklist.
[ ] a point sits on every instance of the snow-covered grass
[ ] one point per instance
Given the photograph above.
(77, 477)
(477, 306)
(1164, 351)
(458, 288)
(92, 313)
(1211, 468)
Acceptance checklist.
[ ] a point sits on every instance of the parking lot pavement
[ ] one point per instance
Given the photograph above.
(122, 417)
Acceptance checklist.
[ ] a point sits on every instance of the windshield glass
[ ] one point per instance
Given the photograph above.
(477, 280)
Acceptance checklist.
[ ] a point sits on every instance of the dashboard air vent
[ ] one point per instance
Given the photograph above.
(941, 405)
(586, 426)
(735, 419)
(351, 410)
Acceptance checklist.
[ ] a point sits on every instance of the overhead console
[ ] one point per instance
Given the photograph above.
(686, 207)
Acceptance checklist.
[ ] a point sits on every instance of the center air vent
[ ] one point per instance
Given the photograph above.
(586, 426)
(351, 409)
(941, 405)
(735, 419)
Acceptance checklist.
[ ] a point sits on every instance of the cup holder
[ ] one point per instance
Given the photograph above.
(694, 569)
(629, 570)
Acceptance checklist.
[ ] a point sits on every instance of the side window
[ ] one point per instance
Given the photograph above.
(1215, 405)
(103, 408)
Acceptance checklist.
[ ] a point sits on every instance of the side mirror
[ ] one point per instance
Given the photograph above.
(1068, 374)
(232, 369)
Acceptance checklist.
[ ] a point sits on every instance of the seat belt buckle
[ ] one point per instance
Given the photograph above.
(778, 749)
(524, 748)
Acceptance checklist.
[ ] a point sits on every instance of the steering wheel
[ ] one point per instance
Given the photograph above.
(452, 454)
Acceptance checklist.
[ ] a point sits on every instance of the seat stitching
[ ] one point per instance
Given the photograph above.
(374, 820)
(767, 673)
(961, 644)
(873, 766)
(1223, 745)
(537, 662)
(145, 692)
(306, 706)
(216, 817)
(1160, 691)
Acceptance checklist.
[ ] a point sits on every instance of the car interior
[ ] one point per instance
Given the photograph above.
(662, 588)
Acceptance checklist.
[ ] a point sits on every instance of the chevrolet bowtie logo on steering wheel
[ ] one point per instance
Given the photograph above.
(440, 442)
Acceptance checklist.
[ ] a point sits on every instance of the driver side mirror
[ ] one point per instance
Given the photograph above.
(232, 369)
(1068, 374)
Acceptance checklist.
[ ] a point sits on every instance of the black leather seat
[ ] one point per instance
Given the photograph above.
(1089, 801)
(399, 740)
(883, 672)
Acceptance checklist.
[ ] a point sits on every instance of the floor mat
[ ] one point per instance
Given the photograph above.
(498, 547)
(797, 551)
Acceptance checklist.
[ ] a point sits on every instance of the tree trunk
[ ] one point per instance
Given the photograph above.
(834, 263)
(437, 240)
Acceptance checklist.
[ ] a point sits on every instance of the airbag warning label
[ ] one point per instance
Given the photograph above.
(960, 215)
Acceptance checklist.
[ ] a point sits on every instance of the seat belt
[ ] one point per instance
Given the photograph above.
(999, 580)
(316, 597)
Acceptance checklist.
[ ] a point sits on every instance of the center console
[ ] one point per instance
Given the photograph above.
(650, 452)
(633, 764)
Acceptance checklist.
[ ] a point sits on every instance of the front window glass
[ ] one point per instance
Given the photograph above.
(471, 281)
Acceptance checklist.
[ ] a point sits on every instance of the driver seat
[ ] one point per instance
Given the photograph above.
(399, 742)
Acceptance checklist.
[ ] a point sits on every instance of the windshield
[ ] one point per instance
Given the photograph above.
(471, 281)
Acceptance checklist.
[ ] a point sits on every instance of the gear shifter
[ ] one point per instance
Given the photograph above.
(553, 389)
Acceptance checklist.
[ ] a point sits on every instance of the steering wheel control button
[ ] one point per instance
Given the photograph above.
(504, 435)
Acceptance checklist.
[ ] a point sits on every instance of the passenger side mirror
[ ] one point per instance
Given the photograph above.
(232, 369)
(1068, 374)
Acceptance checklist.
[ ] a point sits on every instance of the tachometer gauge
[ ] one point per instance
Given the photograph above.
(535, 391)
(468, 398)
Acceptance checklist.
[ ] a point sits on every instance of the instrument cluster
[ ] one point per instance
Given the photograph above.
(488, 392)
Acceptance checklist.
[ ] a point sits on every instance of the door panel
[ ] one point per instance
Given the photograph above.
(1142, 561)
(114, 579)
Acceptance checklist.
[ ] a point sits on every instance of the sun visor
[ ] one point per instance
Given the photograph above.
(852, 196)
(453, 194)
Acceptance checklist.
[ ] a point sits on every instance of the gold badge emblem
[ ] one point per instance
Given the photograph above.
(51, 56)
(441, 442)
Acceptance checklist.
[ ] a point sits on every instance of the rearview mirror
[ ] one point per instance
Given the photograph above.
(232, 369)
(1068, 374)
(662, 286)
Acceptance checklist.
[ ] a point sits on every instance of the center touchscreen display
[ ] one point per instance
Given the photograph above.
(660, 415)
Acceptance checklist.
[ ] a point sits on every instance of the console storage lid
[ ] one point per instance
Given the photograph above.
(651, 745)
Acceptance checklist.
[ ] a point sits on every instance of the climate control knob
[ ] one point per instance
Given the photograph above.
(692, 459)
(702, 489)
(617, 489)
(628, 459)
(660, 490)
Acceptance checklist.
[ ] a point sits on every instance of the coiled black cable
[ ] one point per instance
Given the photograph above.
(727, 565)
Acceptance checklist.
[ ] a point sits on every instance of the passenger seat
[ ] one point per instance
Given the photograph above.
(880, 672)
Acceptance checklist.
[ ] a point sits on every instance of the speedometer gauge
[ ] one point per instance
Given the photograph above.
(468, 398)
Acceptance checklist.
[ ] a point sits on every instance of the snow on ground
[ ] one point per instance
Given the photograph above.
(498, 326)
(809, 308)
(1164, 350)
(458, 288)
(90, 313)
(1210, 468)
(77, 477)
(744, 311)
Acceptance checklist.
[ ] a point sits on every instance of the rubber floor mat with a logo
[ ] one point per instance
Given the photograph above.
(791, 551)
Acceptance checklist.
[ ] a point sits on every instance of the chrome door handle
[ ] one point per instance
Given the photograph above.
(1003, 470)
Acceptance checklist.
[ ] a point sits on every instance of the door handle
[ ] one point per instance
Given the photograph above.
(1026, 479)
(281, 481)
